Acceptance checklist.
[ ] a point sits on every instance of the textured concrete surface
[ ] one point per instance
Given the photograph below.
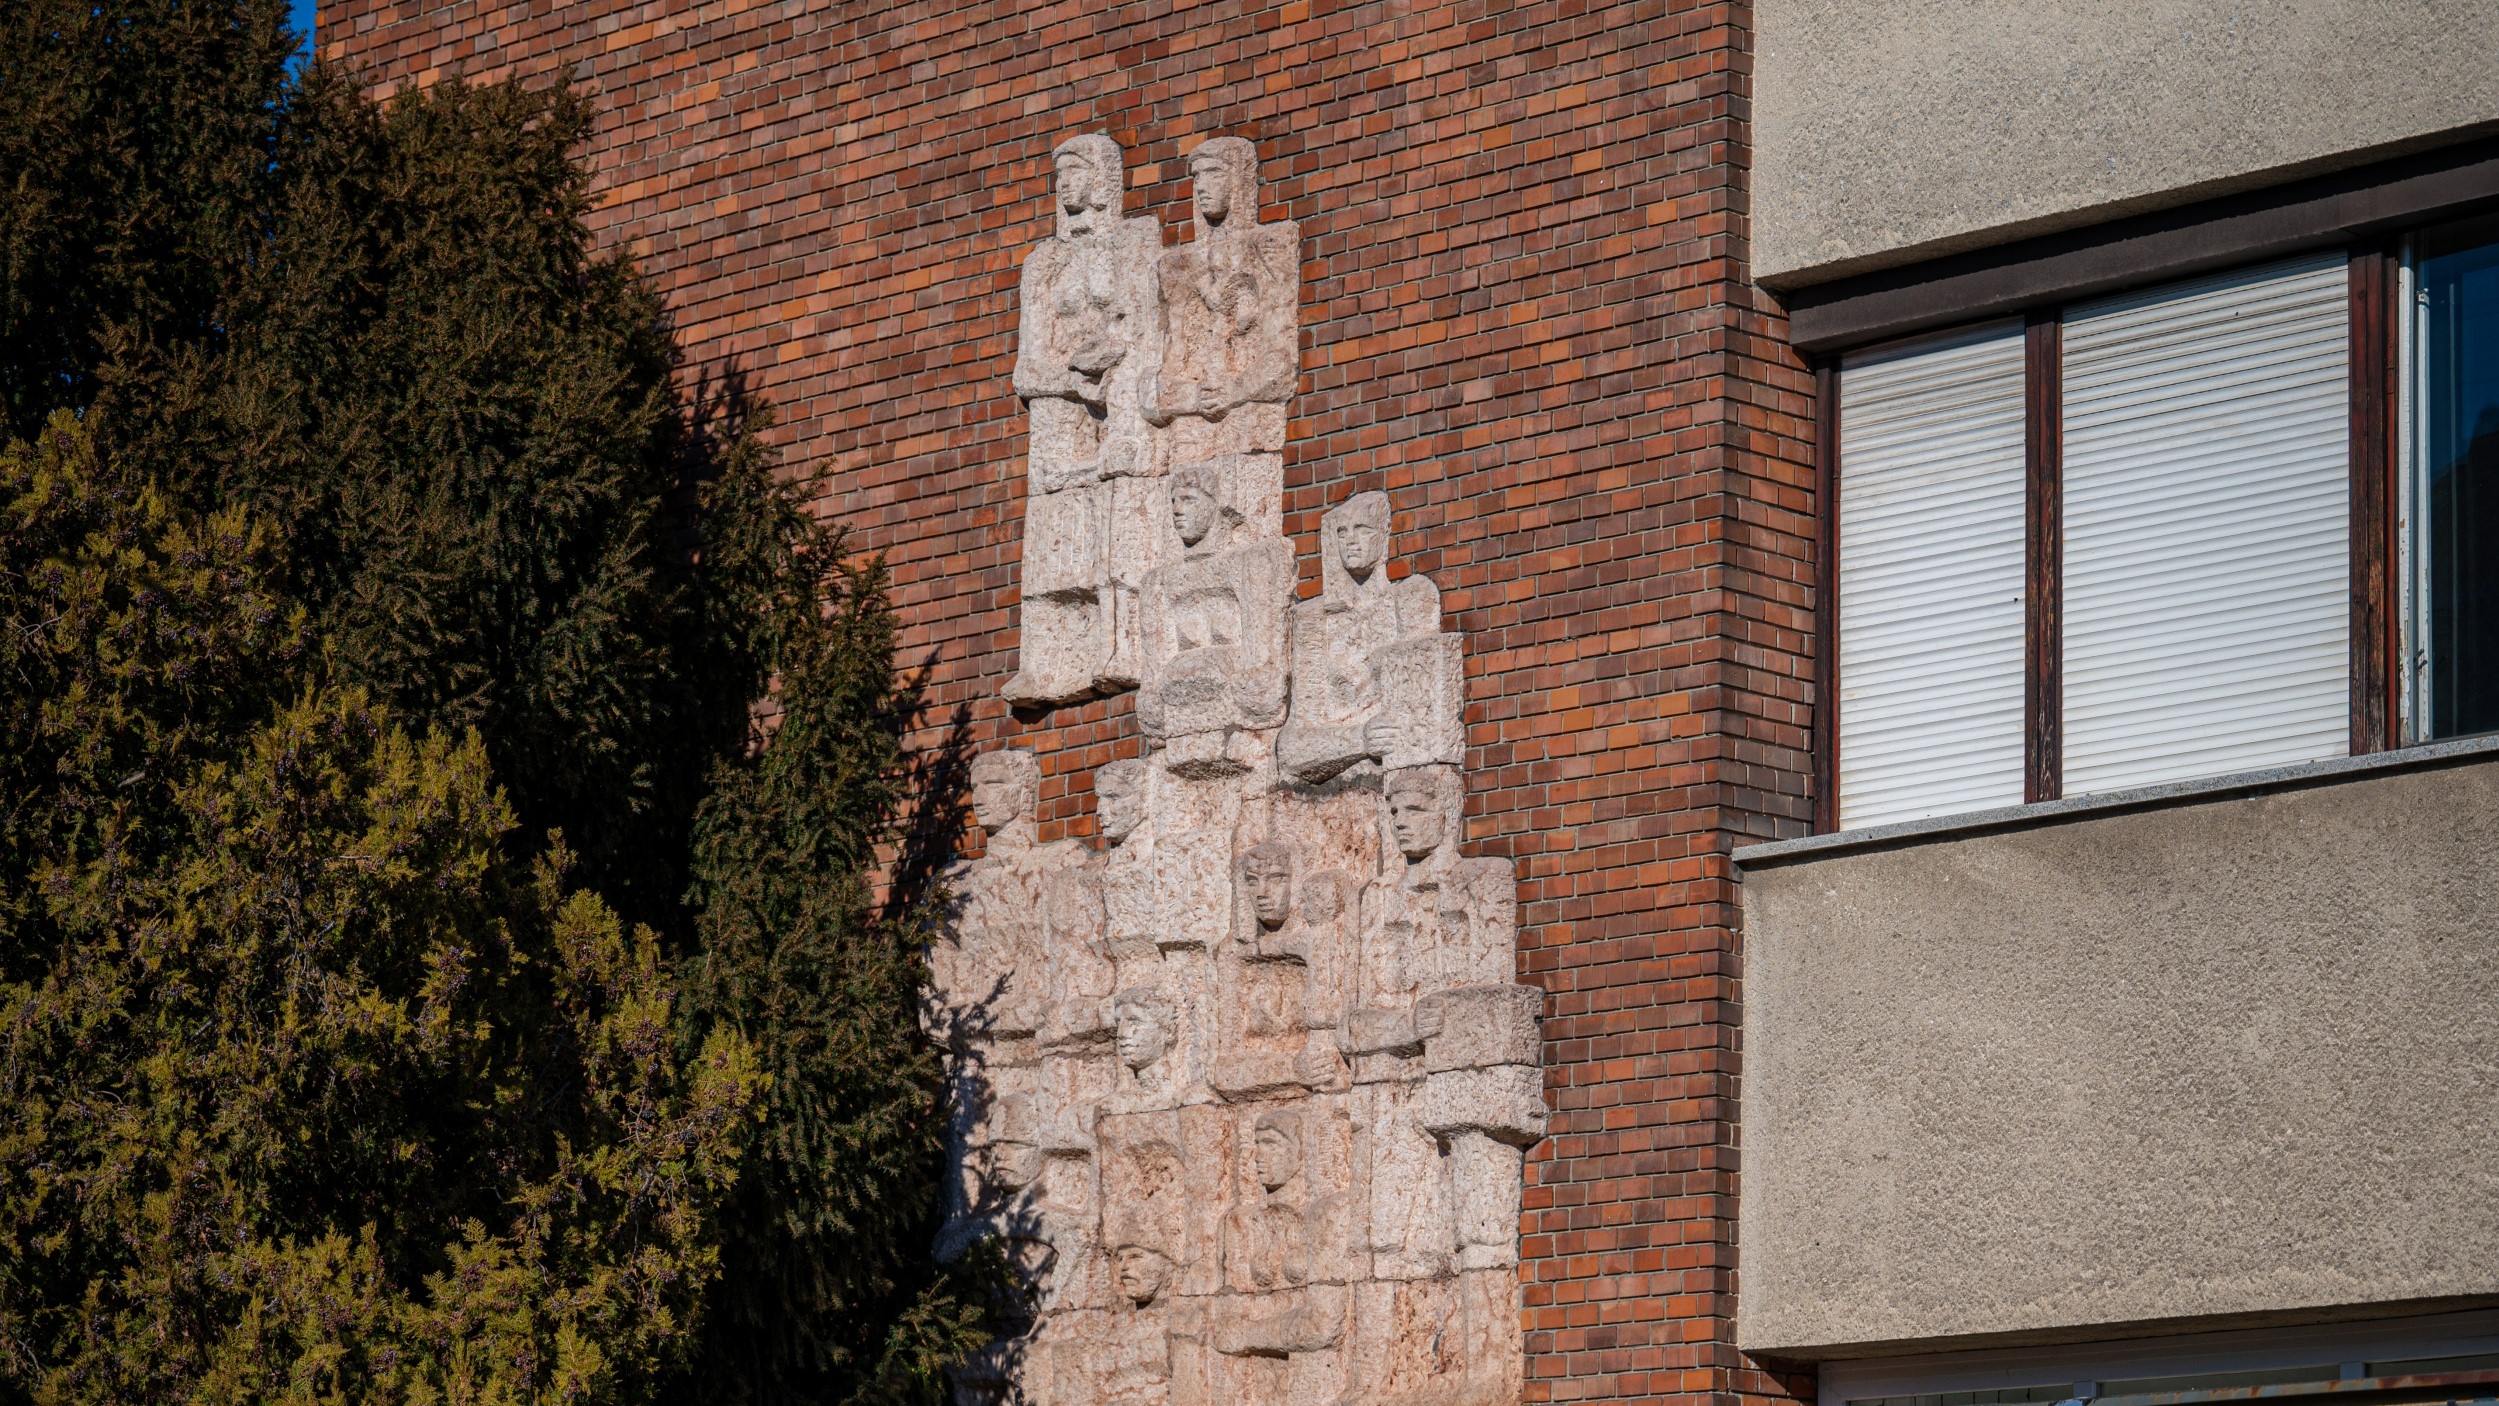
(2231, 1058)
(1888, 130)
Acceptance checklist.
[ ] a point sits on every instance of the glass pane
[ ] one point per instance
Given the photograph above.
(2459, 272)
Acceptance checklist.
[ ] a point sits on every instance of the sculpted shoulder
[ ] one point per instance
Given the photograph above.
(1417, 602)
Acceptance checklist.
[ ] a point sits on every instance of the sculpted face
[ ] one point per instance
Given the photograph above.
(1214, 189)
(1359, 539)
(1414, 815)
(1032, 1258)
(1118, 800)
(1192, 511)
(1277, 1154)
(1267, 876)
(1323, 899)
(1014, 1165)
(1144, 1036)
(1003, 791)
(1079, 190)
(1142, 1273)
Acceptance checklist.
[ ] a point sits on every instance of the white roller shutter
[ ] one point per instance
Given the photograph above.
(1931, 556)
(2206, 512)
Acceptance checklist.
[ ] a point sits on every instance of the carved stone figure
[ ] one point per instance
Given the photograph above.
(1159, 1174)
(1459, 916)
(1144, 1028)
(991, 1000)
(1246, 1091)
(1126, 866)
(1277, 995)
(1442, 1341)
(1082, 351)
(1293, 1225)
(1483, 1097)
(1230, 305)
(1433, 922)
(1216, 632)
(1374, 679)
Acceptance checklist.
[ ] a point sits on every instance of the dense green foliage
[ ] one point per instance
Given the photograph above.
(818, 1302)
(460, 421)
(136, 141)
(417, 983)
(312, 1088)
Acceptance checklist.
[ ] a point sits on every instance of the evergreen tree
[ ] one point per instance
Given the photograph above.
(136, 140)
(313, 1091)
(827, 1298)
(462, 421)
(508, 587)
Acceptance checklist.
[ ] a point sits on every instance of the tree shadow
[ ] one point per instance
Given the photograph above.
(938, 779)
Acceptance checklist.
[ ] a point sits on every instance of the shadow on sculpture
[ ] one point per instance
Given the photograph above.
(1246, 1091)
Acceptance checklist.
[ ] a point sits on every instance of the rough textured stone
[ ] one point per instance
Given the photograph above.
(1373, 676)
(1217, 622)
(1227, 314)
(1250, 1087)
(1083, 368)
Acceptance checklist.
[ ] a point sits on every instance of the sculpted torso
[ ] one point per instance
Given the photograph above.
(1229, 299)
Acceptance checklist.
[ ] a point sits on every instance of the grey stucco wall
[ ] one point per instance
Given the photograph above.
(2231, 1058)
(1888, 130)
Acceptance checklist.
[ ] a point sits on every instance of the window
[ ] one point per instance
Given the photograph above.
(2456, 350)
(1933, 517)
(2236, 521)
(2446, 1358)
(2206, 494)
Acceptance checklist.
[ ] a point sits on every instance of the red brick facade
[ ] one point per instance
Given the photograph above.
(1525, 314)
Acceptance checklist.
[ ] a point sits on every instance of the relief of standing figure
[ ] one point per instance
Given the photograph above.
(1082, 356)
(1231, 316)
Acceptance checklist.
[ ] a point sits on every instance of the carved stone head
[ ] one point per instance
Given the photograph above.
(1145, 1193)
(1013, 1154)
(1013, 1165)
(1089, 174)
(1267, 877)
(1353, 541)
(1119, 798)
(1420, 802)
(1324, 897)
(1006, 787)
(1196, 502)
(1276, 1149)
(1225, 173)
(1142, 1271)
(1144, 1027)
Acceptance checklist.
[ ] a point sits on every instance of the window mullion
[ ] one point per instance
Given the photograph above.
(2043, 400)
(1826, 728)
(2375, 680)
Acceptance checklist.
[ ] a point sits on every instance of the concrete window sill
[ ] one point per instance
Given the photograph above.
(2176, 793)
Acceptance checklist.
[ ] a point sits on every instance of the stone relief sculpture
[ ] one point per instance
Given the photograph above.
(1083, 347)
(1217, 625)
(1247, 1091)
(1228, 313)
(991, 1001)
(1373, 676)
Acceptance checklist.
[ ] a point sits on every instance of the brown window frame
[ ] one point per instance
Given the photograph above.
(2376, 630)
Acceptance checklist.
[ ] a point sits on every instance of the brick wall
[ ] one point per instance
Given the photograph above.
(1525, 315)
